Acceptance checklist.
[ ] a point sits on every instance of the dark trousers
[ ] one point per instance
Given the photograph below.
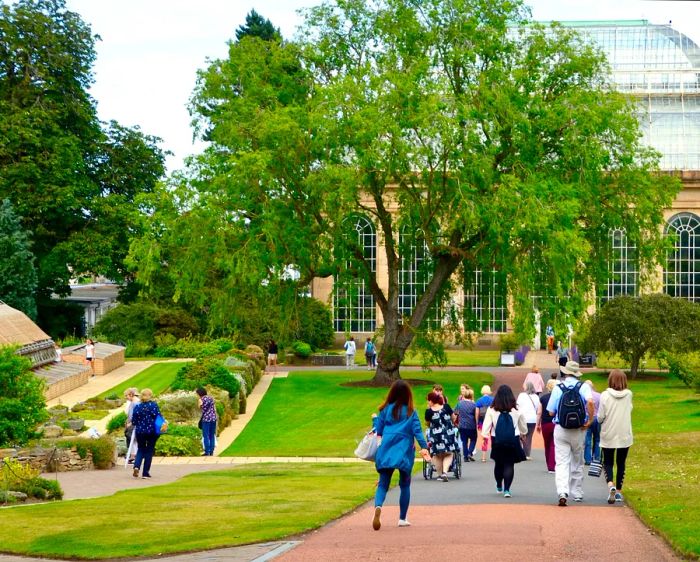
(468, 437)
(609, 457)
(209, 437)
(147, 446)
(404, 485)
(504, 473)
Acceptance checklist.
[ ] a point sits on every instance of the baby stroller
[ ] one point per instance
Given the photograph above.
(455, 467)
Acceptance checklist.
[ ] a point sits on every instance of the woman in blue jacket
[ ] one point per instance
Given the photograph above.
(397, 426)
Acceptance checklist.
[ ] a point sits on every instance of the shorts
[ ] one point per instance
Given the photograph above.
(272, 357)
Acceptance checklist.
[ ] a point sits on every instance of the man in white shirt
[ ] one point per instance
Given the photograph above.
(568, 441)
(350, 350)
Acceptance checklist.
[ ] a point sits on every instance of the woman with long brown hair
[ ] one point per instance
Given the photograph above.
(397, 426)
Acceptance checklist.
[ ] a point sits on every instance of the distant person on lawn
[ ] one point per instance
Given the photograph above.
(272, 355)
(615, 419)
(397, 427)
(208, 421)
(350, 350)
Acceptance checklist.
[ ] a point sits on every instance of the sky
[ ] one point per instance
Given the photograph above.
(150, 50)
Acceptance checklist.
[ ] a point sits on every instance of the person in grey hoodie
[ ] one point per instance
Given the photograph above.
(615, 419)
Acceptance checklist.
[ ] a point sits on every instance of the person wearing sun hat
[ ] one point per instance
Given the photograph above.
(568, 441)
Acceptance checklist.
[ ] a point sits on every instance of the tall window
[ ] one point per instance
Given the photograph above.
(485, 300)
(623, 272)
(353, 303)
(416, 270)
(682, 273)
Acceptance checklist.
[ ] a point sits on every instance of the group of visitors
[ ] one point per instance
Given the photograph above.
(141, 432)
(565, 410)
(370, 351)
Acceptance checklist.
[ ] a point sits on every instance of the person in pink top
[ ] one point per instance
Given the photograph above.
(536, 379)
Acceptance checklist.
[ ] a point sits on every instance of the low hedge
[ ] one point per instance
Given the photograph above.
(19, 477)
(180, 441)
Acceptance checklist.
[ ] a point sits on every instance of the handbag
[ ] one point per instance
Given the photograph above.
(160, 425)
(367, 448)
(596, 468)
(200, 423)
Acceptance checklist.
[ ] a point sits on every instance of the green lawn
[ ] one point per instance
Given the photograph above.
(311, 414)
(157, 377)
(663, 469)
(201, 511)
(463, 358)
(614, 361)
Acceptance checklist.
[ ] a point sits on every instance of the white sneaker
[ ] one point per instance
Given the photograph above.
(404, 523)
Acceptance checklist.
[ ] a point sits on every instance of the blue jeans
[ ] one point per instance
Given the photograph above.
(209, 436)
(468, 437)
(592, 444)
(385, 475)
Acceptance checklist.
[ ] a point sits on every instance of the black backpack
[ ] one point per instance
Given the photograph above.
(505, 431)
(572, 413)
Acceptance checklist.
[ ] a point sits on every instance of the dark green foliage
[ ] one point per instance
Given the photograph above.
(684, 366)
(73, 180)
(18, 278)
(635, 326)
(116, 422)
(204, 372)
(257, 26)
(40, 488)
(22, 404)
(102, 449)
(143, 322)
(61, 319)
(189, 347)
(169, 445)
(301, 349)
(312, 322)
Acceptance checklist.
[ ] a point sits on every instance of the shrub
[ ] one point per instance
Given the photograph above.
(179, 407)
(176, 446)
(137, 348)
(116, 422)
(102, 449)
(40, 488)
(301, 349)
(509, 342)
(683, 366)
(313, 323)
(13, 472)
(203, 372)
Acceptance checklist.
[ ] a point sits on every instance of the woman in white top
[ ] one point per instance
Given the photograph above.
(505, 455)
(90, 355)
(528, 402)
(615, 419)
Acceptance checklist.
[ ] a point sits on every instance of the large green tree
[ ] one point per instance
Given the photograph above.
(18, 278)
(72, 179)
(457, 126)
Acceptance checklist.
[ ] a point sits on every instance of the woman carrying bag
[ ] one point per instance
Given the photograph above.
(397, 426)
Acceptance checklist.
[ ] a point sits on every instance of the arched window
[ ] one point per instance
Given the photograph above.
(353, 303)
(414, 274)
(623, 273)
(485, 300)
(682, 273)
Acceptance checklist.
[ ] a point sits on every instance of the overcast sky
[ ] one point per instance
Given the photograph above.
(151, 49)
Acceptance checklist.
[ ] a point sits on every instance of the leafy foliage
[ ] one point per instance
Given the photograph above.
(458, 126)
(301, 349)
(634, 326)
(207, 371)
(102, 449)
(257, 26)
(22, 404)
(18, 278)
(116, 422)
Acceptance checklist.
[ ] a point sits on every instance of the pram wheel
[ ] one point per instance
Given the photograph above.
(428, 469)
(456, 467)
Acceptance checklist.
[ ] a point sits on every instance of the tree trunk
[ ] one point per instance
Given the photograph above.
(634, 366)
(396, 341)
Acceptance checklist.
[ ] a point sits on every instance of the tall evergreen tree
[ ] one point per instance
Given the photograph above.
(18, 279)
(257, 26)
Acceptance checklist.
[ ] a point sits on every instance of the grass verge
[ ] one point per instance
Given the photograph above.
(157, 377)
(311, 414)
(463, 358)
(662, 483)
(201, 511)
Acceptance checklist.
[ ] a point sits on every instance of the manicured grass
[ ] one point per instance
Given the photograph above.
(157, 377)
(89, 414)
(662, 483)
(201, 511)
(463, 358)
(614, 361)
(311, 414)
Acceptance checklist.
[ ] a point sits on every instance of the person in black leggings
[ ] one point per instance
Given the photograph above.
(615, 419)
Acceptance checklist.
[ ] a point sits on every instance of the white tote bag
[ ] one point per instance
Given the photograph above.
(367, 448)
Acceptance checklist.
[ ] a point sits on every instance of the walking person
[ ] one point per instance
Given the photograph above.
(535, 378)
(615, 419)
(144, 421)
(272, 351)
(545, 425)
(549, 332)
(132, 398)
(591, 447)
(370, 352)
(467, 420)
(528, 402)
(571, 406)
(397, 426)
(562, 355)
(90, 355)
(505, 425)
(207, 421)
(441, 442)
(482, 405)
(350, 350)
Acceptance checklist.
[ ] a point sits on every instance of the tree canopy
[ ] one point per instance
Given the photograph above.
(460, 128)
(18, 277)
(635, 326)
(71, 178)
(257, 26)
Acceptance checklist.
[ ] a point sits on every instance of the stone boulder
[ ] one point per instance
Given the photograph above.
(52, 431)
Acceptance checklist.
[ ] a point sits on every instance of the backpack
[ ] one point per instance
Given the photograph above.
(505, 431)
(572, 413)
(370, 348)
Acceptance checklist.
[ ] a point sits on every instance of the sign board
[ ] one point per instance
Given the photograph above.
(508, 359)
